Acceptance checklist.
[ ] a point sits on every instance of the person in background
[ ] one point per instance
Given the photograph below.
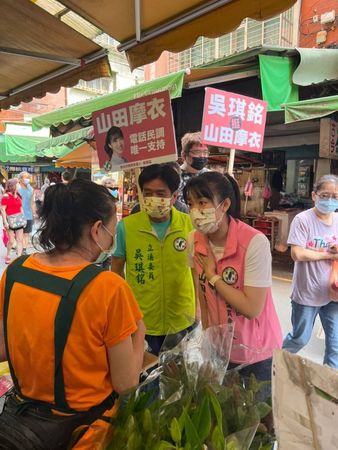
(37, 197)
(66, 177)
(103, 348)
(180, 206)
(152, 244)
(45, 185)
(314, 241)
(109, 183)
(11, 204)
(195, 158)
(276, 185)
(232, 264)
(28, 205)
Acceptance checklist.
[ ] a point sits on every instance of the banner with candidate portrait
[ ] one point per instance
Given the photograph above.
(135, 133)
(233, 121)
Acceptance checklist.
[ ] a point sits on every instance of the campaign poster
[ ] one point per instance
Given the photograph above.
(135, 133)
(233, 121)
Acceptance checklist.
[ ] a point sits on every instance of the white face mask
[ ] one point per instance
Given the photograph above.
(104, 253)
(157, 207)
(204, 220)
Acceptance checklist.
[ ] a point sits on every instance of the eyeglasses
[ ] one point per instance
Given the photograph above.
(327, 196)
(199, 152)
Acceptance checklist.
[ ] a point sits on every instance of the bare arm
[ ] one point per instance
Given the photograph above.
(117, 265)
(125, 360)
(304, 254)
(4, 216)
(2, 343)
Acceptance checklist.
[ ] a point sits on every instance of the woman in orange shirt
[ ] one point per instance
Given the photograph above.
(73, 333)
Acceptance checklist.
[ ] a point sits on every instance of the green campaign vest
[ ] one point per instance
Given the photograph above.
(158, 272)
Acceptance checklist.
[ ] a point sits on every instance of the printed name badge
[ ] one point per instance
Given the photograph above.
(230, 275)
(180, 244)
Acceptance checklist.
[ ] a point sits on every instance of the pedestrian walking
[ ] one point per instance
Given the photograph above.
(232, 264)
(28, 205)
(13, 218)
(314, 244)
(152, 245)
(83, 343)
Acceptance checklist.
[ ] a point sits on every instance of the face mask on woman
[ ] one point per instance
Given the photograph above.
(157, 207)
(204, 220)
(104, 253)
(326, 206)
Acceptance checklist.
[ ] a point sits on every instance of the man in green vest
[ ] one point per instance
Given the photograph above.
(152, 246)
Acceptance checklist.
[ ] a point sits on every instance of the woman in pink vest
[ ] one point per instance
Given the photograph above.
(233, 264)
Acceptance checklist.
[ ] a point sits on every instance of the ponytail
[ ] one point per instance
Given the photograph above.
(235, 197)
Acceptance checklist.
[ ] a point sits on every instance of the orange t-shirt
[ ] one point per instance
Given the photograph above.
(106, 314)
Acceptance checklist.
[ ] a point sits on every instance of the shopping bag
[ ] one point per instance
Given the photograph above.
(5, 237)
(333, 282)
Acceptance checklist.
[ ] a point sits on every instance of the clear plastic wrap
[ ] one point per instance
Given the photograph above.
(187, 403)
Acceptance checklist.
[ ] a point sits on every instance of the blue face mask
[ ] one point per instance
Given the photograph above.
(326, 206)
(104, 253)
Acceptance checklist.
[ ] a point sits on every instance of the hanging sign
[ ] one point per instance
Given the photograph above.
(328, 139)
(135, 133)
(233, 121)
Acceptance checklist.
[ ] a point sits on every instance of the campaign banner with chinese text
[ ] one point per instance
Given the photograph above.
(233, 121)
(135, 133)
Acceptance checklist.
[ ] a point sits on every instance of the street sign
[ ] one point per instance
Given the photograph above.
(135, 133)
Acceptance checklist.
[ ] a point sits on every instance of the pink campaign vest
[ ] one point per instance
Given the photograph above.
(262, 334)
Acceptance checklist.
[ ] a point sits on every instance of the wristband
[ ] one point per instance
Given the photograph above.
(214, 279)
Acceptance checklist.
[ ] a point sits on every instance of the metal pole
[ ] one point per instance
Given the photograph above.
(138, 20)
(231, 162)
(176, 22)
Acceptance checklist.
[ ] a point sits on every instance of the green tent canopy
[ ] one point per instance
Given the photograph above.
(310, 109)
(173, 83)
(18, 148)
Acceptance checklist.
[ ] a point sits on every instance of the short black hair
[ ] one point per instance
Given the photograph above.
(162, 172)
(215, 186)
(113, 131)
(68, 208)
(67, 176)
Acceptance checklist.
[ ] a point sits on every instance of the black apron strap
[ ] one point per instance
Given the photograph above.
(69, 290)
(10, 280)
(62, 324)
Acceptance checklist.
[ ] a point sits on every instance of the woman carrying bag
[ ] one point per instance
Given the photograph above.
(13, 218)
(72, 333)
(233, 263)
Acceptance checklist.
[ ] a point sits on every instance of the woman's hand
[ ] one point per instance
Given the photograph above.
(208, 264)
(6, 226)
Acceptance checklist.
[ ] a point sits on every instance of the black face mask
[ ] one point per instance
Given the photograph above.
(199, 162)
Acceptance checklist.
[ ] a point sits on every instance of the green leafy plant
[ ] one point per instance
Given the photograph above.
(193, 413)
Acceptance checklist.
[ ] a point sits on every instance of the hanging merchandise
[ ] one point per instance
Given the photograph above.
(248, 190)
(267, 190)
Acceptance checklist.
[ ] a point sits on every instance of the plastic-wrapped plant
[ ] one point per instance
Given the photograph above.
(190, 406)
